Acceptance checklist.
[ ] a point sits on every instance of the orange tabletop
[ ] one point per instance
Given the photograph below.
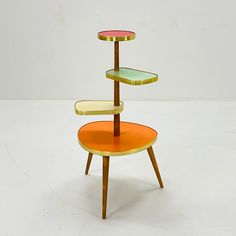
(97, 137)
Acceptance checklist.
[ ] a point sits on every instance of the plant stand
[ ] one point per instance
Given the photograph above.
(116, 138)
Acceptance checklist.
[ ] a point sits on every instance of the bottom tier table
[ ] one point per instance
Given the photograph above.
(97, 138)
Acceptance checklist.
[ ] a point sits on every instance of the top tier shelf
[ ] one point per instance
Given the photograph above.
(116, 35)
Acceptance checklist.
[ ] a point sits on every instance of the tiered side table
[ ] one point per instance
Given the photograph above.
(116, 138)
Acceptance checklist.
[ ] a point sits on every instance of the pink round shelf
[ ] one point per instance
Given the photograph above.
(116, 35)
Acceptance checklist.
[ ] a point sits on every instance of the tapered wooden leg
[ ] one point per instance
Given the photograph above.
(90, 155)
(105, 174)
(155, 166)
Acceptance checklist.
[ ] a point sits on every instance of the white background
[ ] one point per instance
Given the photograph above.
(50, 50)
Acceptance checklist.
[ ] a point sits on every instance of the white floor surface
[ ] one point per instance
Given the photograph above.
(44, 192)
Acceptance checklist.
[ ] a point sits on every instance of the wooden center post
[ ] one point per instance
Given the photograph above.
(116, 90)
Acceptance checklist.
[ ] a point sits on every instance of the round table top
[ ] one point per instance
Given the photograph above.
(116, 35)
(97, 137)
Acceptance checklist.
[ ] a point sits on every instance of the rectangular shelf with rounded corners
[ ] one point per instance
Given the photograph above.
(97, 107)
(131, 76)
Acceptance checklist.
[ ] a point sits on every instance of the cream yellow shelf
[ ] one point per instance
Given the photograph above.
(97, 107)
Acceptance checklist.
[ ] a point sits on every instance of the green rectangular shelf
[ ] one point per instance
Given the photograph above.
(131, 76)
